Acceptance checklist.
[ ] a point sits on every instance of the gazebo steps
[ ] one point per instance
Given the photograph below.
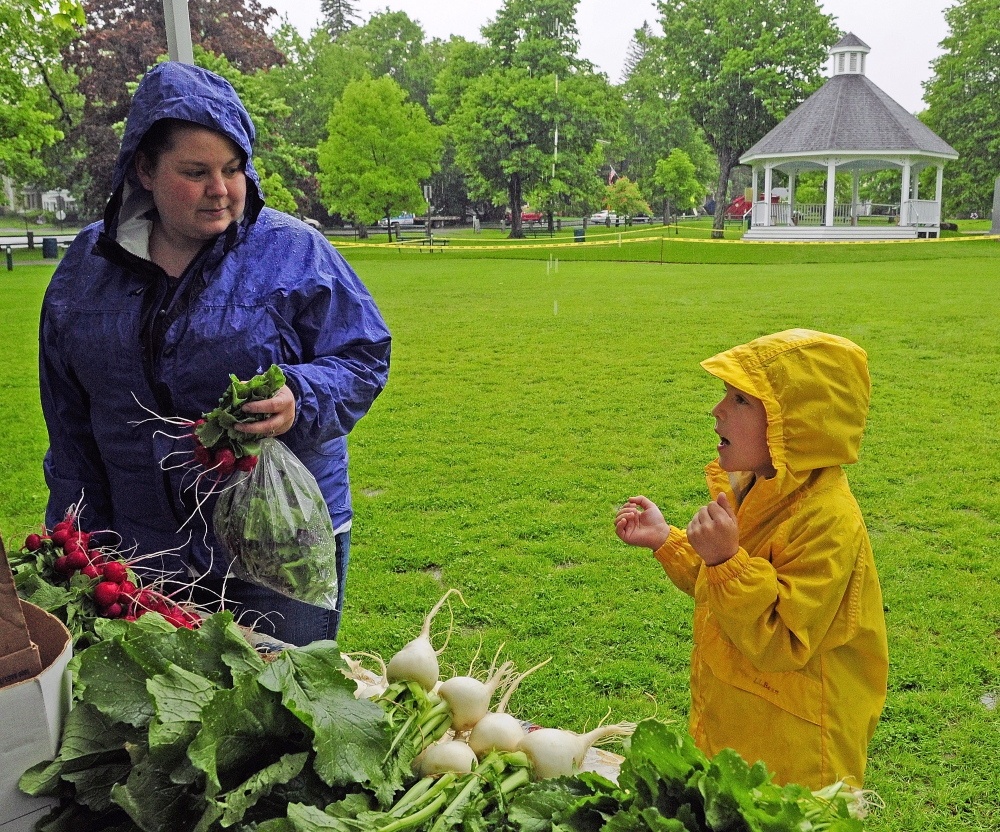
(819, 233)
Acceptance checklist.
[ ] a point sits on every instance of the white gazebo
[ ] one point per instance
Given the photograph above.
(851, 126)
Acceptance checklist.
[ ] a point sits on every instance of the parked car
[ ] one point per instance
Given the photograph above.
(402, 219)
(527, 216)
(604, 217)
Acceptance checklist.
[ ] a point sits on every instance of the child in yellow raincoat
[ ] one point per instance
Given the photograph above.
(790, 660)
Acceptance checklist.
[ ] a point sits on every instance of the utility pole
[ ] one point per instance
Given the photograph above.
(175, 15)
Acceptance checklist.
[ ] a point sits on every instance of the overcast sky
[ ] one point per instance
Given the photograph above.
(903, 34)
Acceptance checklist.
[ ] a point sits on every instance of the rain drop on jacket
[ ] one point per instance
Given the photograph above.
(267, 290)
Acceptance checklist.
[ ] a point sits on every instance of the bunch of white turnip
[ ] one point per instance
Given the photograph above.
(476, 731)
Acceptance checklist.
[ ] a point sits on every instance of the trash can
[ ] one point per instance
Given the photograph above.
(579, 235)
(50, 248)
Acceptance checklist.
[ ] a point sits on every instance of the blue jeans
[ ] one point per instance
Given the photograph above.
(273, 614)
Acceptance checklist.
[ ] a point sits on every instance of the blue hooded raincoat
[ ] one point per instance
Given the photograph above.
(120, 342)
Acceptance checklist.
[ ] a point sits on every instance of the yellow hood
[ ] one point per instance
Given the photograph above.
(815, 388)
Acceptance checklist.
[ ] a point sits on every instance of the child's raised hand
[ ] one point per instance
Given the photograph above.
(640, 523)
(714, 532)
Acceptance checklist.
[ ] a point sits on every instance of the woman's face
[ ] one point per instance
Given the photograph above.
(198, 186)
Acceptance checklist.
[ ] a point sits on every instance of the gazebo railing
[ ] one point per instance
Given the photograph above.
(910, 212)
(801, 213)
(920, 212)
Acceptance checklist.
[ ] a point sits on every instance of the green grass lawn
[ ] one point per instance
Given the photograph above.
(525, 404)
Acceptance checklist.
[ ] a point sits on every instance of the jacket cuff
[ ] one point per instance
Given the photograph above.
(670, 546)
(728, 570)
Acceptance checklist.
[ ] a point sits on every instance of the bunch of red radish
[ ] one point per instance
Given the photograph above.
(114, 587)
(220, 460)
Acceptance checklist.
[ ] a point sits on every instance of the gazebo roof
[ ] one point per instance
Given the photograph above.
(847, 114)
(850, 39)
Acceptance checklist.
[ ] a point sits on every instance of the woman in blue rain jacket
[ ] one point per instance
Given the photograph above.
(189, 279)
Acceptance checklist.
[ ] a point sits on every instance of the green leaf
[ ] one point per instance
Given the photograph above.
(310, 819)
(236, 802)
(154, 802)
(115, 683)
(244, 726)
(179, 695)
(351, 736)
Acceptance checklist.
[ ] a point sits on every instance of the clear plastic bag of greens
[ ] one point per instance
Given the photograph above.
(275, 529)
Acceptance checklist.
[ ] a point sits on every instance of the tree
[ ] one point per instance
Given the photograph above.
(339, 16)
(123, 39)
(506, 102)
(624, 199)
(654, 123)
(962, 109)
(394, 45)
(379, 149)
(32, 85)
(739, 68)
(677, 178)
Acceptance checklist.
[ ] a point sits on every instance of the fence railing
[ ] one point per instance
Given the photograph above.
(921, 212)
(910, 212)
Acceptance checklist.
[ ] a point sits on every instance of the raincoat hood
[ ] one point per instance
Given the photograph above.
(190, 93)
(815, 388)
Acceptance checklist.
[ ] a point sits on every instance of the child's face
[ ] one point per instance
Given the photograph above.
(741, 422)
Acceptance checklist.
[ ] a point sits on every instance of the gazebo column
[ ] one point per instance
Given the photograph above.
(938, 191)
(854, 197)
(791, 197)
(767, 195)
(831, 189)
(904, 195)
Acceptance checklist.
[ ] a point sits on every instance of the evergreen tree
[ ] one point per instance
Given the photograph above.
(339, 16)
(638, 47)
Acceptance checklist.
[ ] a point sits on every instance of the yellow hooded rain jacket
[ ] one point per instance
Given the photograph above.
(790, 660)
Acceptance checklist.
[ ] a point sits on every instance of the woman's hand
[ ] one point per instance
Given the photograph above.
(281, 410)
(640, 523)
(714, 533)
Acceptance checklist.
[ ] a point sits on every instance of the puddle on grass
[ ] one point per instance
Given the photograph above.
(990, 700)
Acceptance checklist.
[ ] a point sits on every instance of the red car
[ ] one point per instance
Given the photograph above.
(528, 216)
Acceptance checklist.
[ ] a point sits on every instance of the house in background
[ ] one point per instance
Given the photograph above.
(850, 126)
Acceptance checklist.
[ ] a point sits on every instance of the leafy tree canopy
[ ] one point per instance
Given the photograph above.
(739, 68)
(506, 101)
(124, 38)
(962, 103)
(623, 197)
(394, 45)
(677, 177)
(32, 82)
(379, 149)
(654, 123)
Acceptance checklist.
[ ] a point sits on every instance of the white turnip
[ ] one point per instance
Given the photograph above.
(499, 731)
(469, 698)
(554, 752)
(443, 756)
(417, 660)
